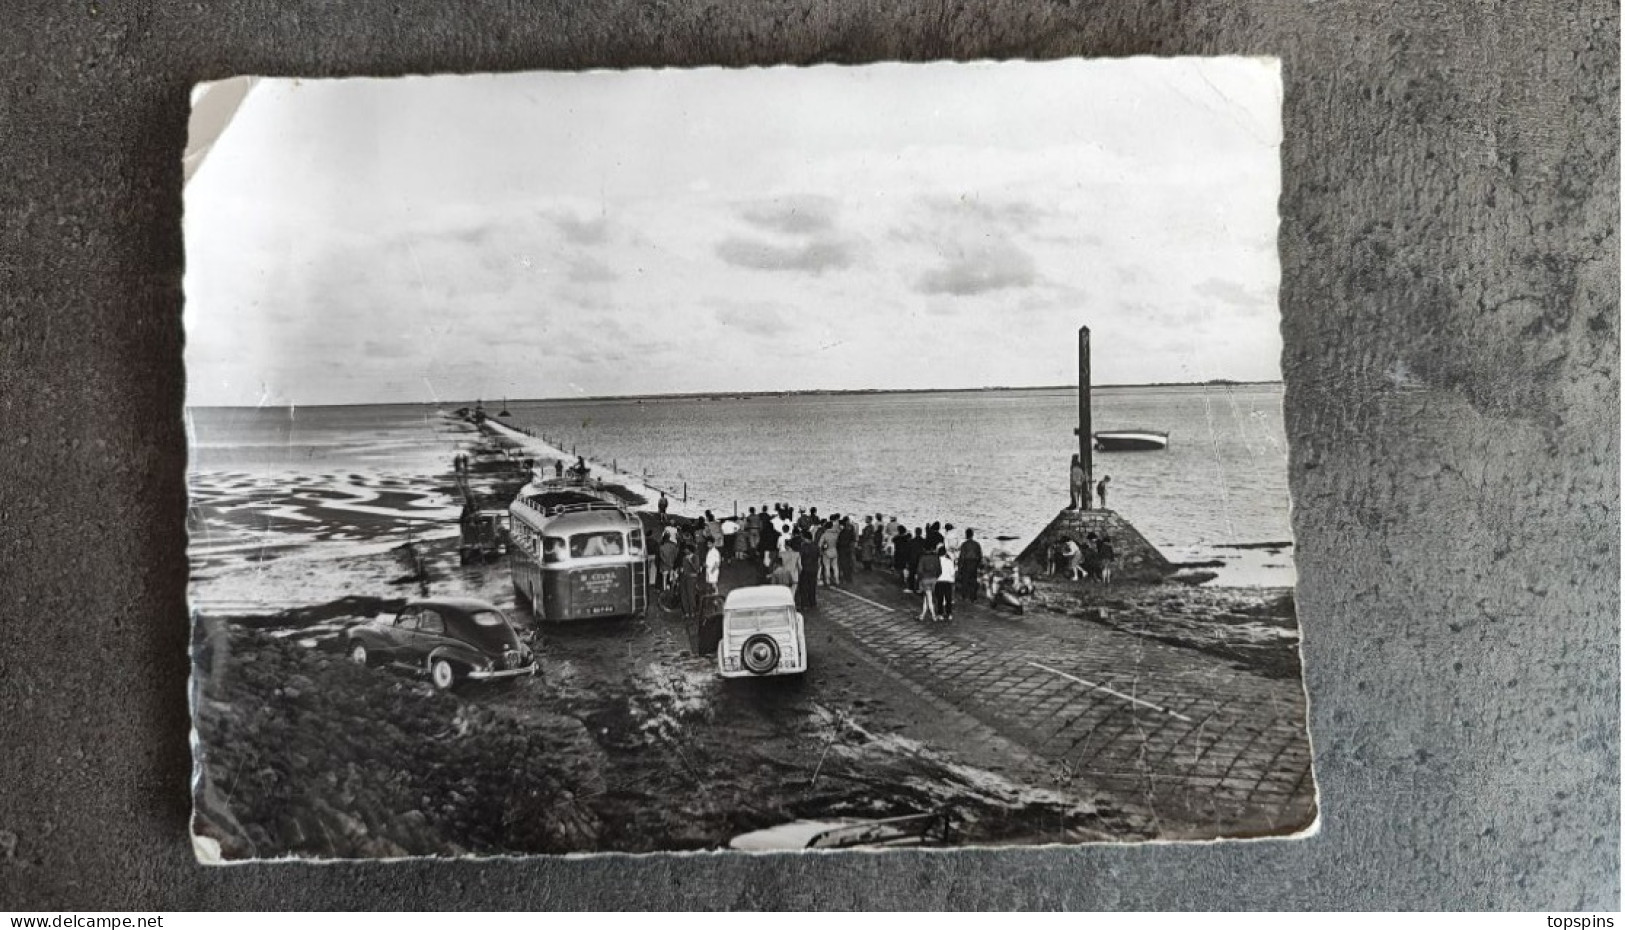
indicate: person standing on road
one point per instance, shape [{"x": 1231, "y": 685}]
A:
[
  {"x": 933, "y": 536},
  {"x": 902, "y": 558},
  {"x": 769, "y": 541},
  {"x": 828, "y": 550},
  {"x": 781, "y": 575},
  {"x": 713, "y": 530},
  {"x": 668, "y": 562},
  {"x": 753, "y": 531},
  {"x": 929, "y": 572},
  {"x": 664, "y": 505},
  {"x": 688, "y": 584},
  {"x": 730, "y": 536},
  {"x": 791, "y": 560},
  {"x": 1100, "y": 490},
  {"x": 713, "y": 568},
  {"x": 1080, "y": 485},
  {"x": 867, "y": 550},
  {"x": 808, "y": 587},
  {"x": 944, "y": 592},
  {"x": 846, "y": 543},
  {"x": 970, "y": 566}
]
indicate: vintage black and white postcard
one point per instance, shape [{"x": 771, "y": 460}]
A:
[{"x": 771, "y": 459}]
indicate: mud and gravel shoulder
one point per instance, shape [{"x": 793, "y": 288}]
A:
[
  {"x": 623, "y": 742},
  {"x": 1254, "y": 628}
]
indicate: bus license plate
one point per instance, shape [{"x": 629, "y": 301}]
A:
[{"x": 600, "y": 609}]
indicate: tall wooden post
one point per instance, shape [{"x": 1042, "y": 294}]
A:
[{"x": 1086, "y": 432}]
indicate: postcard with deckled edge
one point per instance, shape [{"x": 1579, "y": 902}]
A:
[{"x": 828, "y": 458}]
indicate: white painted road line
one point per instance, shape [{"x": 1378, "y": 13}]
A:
[
  {"x": 1132, "y": 700},
  {"x": 864, "y": 599}
]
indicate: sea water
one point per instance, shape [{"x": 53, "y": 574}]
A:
[{"x": 995, "y": 460}]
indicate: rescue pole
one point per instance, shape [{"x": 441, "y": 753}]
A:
[{"x": 1085, "y": 430}]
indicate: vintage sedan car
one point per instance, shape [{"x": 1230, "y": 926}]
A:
[
  {"x": 762, "y": 634},
  {"x": 449, "y": 638}
]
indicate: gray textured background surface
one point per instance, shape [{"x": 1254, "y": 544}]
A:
[{"x": 1450, "y": 301}]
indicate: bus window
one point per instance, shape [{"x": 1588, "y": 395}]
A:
[
  {"x": 552, "y": 549},
  {"x": 589, "y": 545},
  {"x": 634, "y": 542}
]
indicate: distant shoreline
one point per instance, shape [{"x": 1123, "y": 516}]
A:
[{"x": 748, "y": 395}]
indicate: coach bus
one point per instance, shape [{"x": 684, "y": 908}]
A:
[{"x": 577, "y": 553}]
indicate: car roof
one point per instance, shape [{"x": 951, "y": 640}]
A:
[{"x": 766, "y": 595}]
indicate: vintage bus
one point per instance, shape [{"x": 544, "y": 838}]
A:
[{"x": 577, "y": 553}]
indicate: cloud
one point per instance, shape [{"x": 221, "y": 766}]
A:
[
  {"x": 799, "y": 215},
  {"x": 594, "y": 231},
  {"x": 990, "y": 266},
  {"x": 1017, "y": 215},
  {"x": 1232, "y": 294},
  {"x": 817, "y": 256},
  {"x": 589, "y": 270},
  {"x": 376, "y": 348},
  {"x": 755, "y": 319}
]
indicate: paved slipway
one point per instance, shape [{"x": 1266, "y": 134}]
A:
[{"x": 1205, "y": 748}]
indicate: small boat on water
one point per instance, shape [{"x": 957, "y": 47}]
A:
[{"x": 1131, "y": 440}]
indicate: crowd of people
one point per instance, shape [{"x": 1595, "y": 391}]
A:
[{"x": 802, "y": 550}]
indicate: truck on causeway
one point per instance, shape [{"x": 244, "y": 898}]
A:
[{"x": 576, "y": 552}]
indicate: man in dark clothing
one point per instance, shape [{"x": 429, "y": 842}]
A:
[
  {"x": 903, "y": 556},
  {"x": 768, "y": 541},
  {"x": 807, "y": 587},
  {"x": 969, "y": 566},
  {"x": 1100, "y": 490},
  {"x": 933, "y": 537},
  {"x": 846, "y": 548},
  {"x": 688, "y": 584}
]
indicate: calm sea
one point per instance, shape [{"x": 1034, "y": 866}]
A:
[{"x": 993, "y": 460}]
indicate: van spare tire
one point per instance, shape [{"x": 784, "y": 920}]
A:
[{"x": 760, "y": 654}]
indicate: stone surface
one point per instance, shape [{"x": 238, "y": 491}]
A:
[
  {"x": 1450, "y": 315},
  {"x": 1134, "y": 556},
  {"x": 1203, "y": 748}
]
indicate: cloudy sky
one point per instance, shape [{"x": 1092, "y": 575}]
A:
[{"x": 889, "y": 226}]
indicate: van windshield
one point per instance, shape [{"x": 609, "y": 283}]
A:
[{"x": 758, "y": 618}]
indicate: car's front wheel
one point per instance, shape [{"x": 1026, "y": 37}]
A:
[
  {"x": 358, "y": 654},
  {"x": 442, "y": 674}
]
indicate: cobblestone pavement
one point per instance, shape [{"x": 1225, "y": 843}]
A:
[{"x": 1204, "y": 747}]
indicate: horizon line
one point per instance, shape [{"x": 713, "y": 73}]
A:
[{"x": 726, "y": 394}]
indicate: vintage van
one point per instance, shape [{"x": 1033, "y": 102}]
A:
[
  {"x": 577, "y": 553},
  {"x": 762, "y": 634}
]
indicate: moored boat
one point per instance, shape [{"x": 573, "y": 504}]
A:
[{"x": 1131, "y": 440}]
